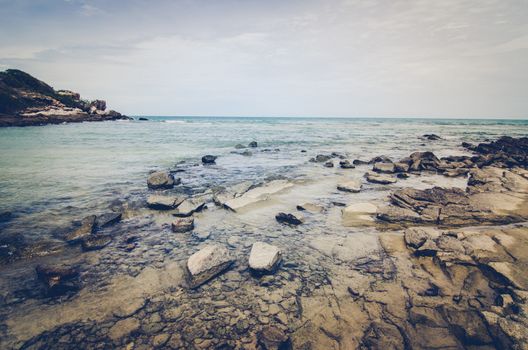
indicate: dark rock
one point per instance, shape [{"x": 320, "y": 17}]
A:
[
  {"x": 159, "y": 202},
  {"x": 359, "y": 162},
  {"x": 183, "y": 225},
  {"x": 253, "y": 144},
  {"x": 419, "y": 161},
  {"x": 431, "y": 137},
  {"x": 329, "y": 164},
  {"x": 107, "y": 219},
  {"x": 380, "y": 159},
  {"x": 58, "y": 279},
  {"x": 95, "y": 242},
  {"x": 161, "y": 180},
  {"x": 321, "y": 158},
  {"x": 209, "y": 159},
  {"x": 288, "y": 219},
  {"x": 143, "y": 119},
  {"x": 506, "y": 151},
  {"x": 345, "y": 164}
]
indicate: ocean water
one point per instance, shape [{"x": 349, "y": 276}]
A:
[{"x": 55, "y": 174}]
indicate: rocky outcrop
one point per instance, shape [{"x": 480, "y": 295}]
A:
[
  {"x": 207, "y": 263},
  {"x": 27, "y": 101},
  {"x": 264, "y": 257},
  {"x": 505, "y": 152}
]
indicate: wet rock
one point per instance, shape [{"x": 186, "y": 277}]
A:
[
  {"x": 380, "y": 159},
  {"x": 329, "y": 164},
  {"x": 431, "y": 137},
  {"x": 345, "y": 164},
  {"x": 95, "y": 242},
  {"x": 353, "y": 186},
  {"x": 183, "y": 225},
  {"x": 384, "y": 167},
  {"x": 107, "y": 219},
  {"x": 253, "y": 144},
  {"x": 123, "y": 328},
  {"x": 209, "y": 159},
  {"x": 359, "y": 162},
  {"x": 190, "y": 206},
  {"x": 131, "y": 307},
  {"x": 86, "y": 229},
  {"x": 273, "y": 338},
  {"x": 58, "y": 279},
  {"x": 264, "y": 257},
  {"x": 142, "y": 119},
  {"x": 257, "y": 194},
  {"x": 321, "y": 158},
  {"x": 239, "y": 146},
  {"x": 161, "y": 202},
  {"x": 380, "y": 178},
  {"x": 506, "y": 151},
  {"x": 401, "y": 167},
  {"x": 161, "y": 180},
  {"x": 310, "y": 207},
  {"x": 288, "y": 219},
  {"x": 419, "y": 161},
  {"x": 207, "y": 263}
]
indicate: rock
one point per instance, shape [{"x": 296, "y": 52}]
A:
[
  {"x": 505, "y": 152},
  {"x": 288, "y": 219},
  {"x": 183, "y": 225},
  {"x": 329, "y": 164},
  {"x": 419, "y": 161},
  {"x": 161, "y": 180},
  {"x": 415, "y": 237},
  {"x": 220, "y": 197},
  {"x": 98, "y": 105},
  {"x": 123, "y": 328},
  {"x": 143, "y": 119},
  {"x": 58, "y": 279},
  {"x": 509, "y": 274},
  {"x": 207, "y": 263},
  {"x": 190, "y": 206},
  {"x": 358, "y": 213},
  {"x": 402, "y": 176},
  {"x": 239, "y": 146},
  {"x": 160, "y": 202},
  {"x": 107, "y": 219},
  {"x": 95, "y": 242},
  {"x": 257, "y": 194},
  {"x": 131, "y": 307},
  {"x": 310, "y": 207},
  {"x": 345, "y": 164},
  {"x": 401, "y": 167},
  {"x": 253, "y": 144},
  {"x": 321, "y": 158},
  {"x": 384, "y": 167},
  {"x": 86, "y": 229},
  {"x": 380, "y": 159},
  {"x": 431, "y": 137},
  {"x": 273, "y": 338},
  {"x": 264, "y": 257},
  {"x": 359, "y": 162},
  {"x": 209, "y": 159},
  {"x": 379, "y": 178},
  {"x": 353, "y": 186}
]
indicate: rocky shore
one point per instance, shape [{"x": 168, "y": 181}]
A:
[
  {"x": 27, "y": 101},
  {"x": 294, "y": 263}
]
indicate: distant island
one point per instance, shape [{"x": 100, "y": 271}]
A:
[{"x": 27, "y": 101}]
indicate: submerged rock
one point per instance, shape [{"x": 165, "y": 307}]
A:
[
  {"x": 264, "y": 257},
  {"x": 95, "y": 242},
  {"x": 58, "y": 279},
  {"x": 207, "y": 263},
  {"x": 161, "y": 180},
  {"x": 288, "y": 219},
  {"x": 345, "y": 164},
  {"x": 253, "y": 144},
  {"x": 209, "y": 159},
  {"x": 107, "y": 219},
  {"x": 239, "y": 146},
  {"x": 353, "y": 186},
  {"x": 329, "y": 164},
  {"x": 160, "y": 202},
  {"x": 86, "y": 229},
  {"x": 183, "y": 225}
]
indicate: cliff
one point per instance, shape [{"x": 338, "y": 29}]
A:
[{"x": 26, "y": 101}]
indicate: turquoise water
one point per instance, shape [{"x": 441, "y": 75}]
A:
[{"x": 54, "y": 174}]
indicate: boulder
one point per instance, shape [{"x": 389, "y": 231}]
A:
[
  {"x": 359, "y": 162},
  {"x": 380, "y": 178},
  {"x": 419, "y": 161},
  {"x": 253, "y": 144},
  {"x": 161, "y": 202},
  {"x": 345, "y": 164},
  {"x": 161, "y": 180},
  {"x": 384, "y": 167},
  {"x": 58, "y": 279},
  {"x": 95, "y": 242},
  {"x": 353, "y": 186},
  {"x": 288, "y": 219},
  {"x": 321, "y": 158},
  {"x": 329, "y": 164},
  {"x": 143, "y": 119},
  {"x": 209, "y": 159},
  {"x": 380, "y": 159},
  {"x": 86, "y": 229},
  {"x": 415, "y": 237},
  {"x": 264, "y": 257},
  {"x": 207, "y": 263},
  {"x": 183, "y": 225}
]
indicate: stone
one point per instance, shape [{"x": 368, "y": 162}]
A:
[
  {"x": 353, "y": 186},
  {"x": 288, "y": 219},
  {"x": 131, "y": 307},
  {"x": 431, "y": 137},
  {"x": 162, "y": 202},
  {"x": 207, "y": 263},
  {"x": 359, "y": 162},
  {"x": 401, "y": 167},
  {"x": 253, "y": 144},
  {"x": 273, "y": 338},
  {"x": 183, "y": 225},
  {"x": 123, "y": 328},
  {"x": 189, "y": 207},
  {"x": 86, "y": 229},
  {"x": 257, "y": 194},
  {"x": 264, "y": 257},
  {"x": 95, "y": 242},
  {"x": 380, "y": 179},
  {"x": 107, "y": 219},
  {"x": 310, "y": 207},
  {"x": 209, "y": 159},
  {"x": 345, "y": 164},
  {"x": 321, "y": 158},
  {"x": 239, "y": 146},
  {"x": 57, "y": 279},
  {"x": 142, "y": 119},
  {"x": 380, "y": 159},
  {"x": 161, "y": 180},
  {"x": 384, "y": 167},
  {"x": 419, "y": 161},
  {"x": 415, "y": 237},
  {"x": 329, "y": 164}
]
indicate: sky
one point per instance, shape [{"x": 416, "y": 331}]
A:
[{"x": 338, "y": 58}]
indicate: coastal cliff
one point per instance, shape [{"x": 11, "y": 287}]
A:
[{"x": 27, "y": 101}]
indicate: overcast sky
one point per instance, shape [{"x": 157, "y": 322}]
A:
[{"x": 449, "y": 58}]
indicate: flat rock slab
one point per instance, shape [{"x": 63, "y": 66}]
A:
[
  {"x": 264, "y": 257},
  {"x": 107, "y": 219},
  {"x": 359, "y": 213},
  {"x": 161, "y": 179},
  {"x": 384, "y": 167},
  {"x": 257, "y": 194},
  {"x": 207, "y": 263},
  {"x": 380, "y": 178},
  {"x": 189, "y": 207},
  {"x": 353, "y": 186},
  {"x": 95, "y": 242},
  {"x": 161, "y": 202}
]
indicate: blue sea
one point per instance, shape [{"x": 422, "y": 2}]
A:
[{"x": 55, "y": 174}]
